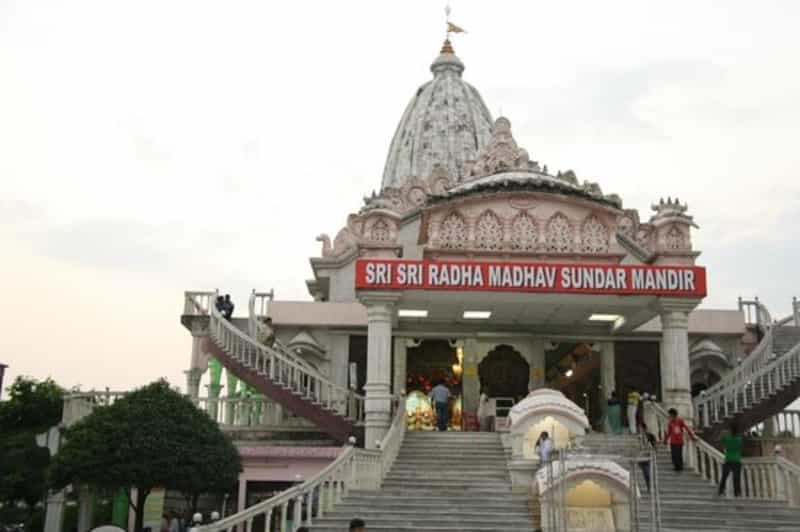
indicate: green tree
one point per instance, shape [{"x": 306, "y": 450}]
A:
[
  {"x": 151, "y": 438},
  {"x": 32, "y": 408}
]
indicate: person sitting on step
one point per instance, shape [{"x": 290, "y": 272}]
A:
[{"x": 358, "y": 525}]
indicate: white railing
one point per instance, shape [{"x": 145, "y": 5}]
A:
[
  {"x": 782, "y": 424},
  {"x": 764, "y": 478},
  {"x": 242, "y": 411},
  {"x": 755, "y": 313},
  {"x": 278, "y": 366},
  {"x": 257, "y": 308},
  {"x": 198, "y": 303},
  {"x": 744, "y": 389},
  {"x": 78, "y": 405},
  {"x": 301, "y": 505}
]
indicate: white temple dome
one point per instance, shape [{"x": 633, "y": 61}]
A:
[
  {"x": 446, "y": 125},
  {"x": 547, "y": 401}
]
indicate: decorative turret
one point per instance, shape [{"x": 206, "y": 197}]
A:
[{"x": 672, "y": 228}]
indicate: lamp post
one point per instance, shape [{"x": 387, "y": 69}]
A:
[{"x": 2, "y": 371}]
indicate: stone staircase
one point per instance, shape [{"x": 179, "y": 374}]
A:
[
  {"x": 440, "y": 482},
  {"x": 689, "y": 503},
  {"x": 754, "y": 392}
]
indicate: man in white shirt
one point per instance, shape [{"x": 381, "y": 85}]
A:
[
  {"x": 440, "y": 397},
  {"x": 544, "y": 447}
]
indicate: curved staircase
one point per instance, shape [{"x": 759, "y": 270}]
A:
[
  {"x": 279, "y": 374},
  {"x": 764, "y": 384}
]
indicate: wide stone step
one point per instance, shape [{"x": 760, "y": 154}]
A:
[
  {"x": 414, "y": 496},
  {"x": 354, "y": 507},
  {"x": 429, "y": 522}
]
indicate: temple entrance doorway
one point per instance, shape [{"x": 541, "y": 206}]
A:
[
  {"x": 429, "y": 362},
  {"x": 504, "y": 373},
  {"x": 574, "y": 370}
]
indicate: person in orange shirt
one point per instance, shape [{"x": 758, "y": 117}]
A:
[{"x": 674, "y": 437}]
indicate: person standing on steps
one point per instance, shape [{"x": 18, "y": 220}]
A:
[
  {"x": 440, "y": 397},
  {"x": 614, "y": 414},
  {"x": 266, "y": 334},
  {"x": 544, "y": 448},
  {"x": 733, "y": 443},
  {"x": 358, "y": 525},
  {"x": 227, "y": 307},
  {"x": 674, "y": 437},
  {"x": 633, "y": 406},
  {"x": 485, "y": 414}
]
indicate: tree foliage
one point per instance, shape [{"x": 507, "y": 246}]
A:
[
  {"x": 32, "y": 408},
  {"x": 152, "y": 437}
]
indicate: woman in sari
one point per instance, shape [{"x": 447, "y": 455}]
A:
[{"x": 614, "y": 414}]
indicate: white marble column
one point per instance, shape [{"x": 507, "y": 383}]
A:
[
  {"x": 377, "y": 410},
  {"x": 241, "y": 501},
  {"x": 470, "y": 381},
  {"x": 674, "y": 356},
  {"x": 54, "y": 515},
  {"x": 85, "y": 509},
  {"x": 537, "y": 361},
  {"x": 607, "y": 373},
  {"x": 400, "y": 365},
  {"x": 198, "y": 362}
]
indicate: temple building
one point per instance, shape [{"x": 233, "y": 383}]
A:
[{"x": 477, "y": 266}]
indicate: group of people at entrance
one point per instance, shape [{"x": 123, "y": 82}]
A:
[
  {"x": 635, "y": 412},
  {"x": 674, "y": 437}
]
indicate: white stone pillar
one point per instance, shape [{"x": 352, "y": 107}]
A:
[
  {"x": 241, "y": 502},
  {"x": 470, "y": 381},
  {"x": 85, "y": 509},
  {"x": 54, "y": 515},
  {"x": 377, "y": 410},
  {"x": 193, "y": 377},
  {"x": 676, "y": 383},
  {"x": 400, "y": 365},
  {"x": 607, "y": 373},
  {"x": 537, "y": 361}
]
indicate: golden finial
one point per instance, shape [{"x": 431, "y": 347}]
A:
[{"x": 447, "y": 48}]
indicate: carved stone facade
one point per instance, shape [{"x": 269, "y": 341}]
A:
[{"x": 521, "y": 224}]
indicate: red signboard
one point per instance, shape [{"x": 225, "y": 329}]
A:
[{"x": 389, "y": 274}]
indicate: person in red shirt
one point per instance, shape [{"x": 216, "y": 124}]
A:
[{"x": 674, "y": 437}]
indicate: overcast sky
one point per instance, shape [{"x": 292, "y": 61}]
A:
[{"x": 151, "y": 147}]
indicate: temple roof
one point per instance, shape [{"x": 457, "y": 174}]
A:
[
  {"x": 445, "y": 125},
  {"x": 504, "y": 166}
]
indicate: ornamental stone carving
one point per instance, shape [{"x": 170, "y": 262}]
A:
[
  {"x": 380, "y": 231},
  {"x": 524, "y": 233},
  {"x": 559, "y": 236},
  {"x": 502, "y": 154},
  {"x": 453, "y": 232},
  {"x": 594, "y": 236},
  {"x": 674, "y": 239},
  {"x": 489, "y": 232}
]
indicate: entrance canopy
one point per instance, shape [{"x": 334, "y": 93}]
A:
[{"x": 545, "y": 297}]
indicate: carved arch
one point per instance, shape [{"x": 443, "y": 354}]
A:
[
  {"x": 524, "y": 232},
  {"x": 594, "y": 235},
  {"x": 489, "y": 231},
  {"x": 453, "y": 231},
  {"x": 559, "y": 235}
]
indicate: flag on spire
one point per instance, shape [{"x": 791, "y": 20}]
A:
[{"x": 452, "y": 28}]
